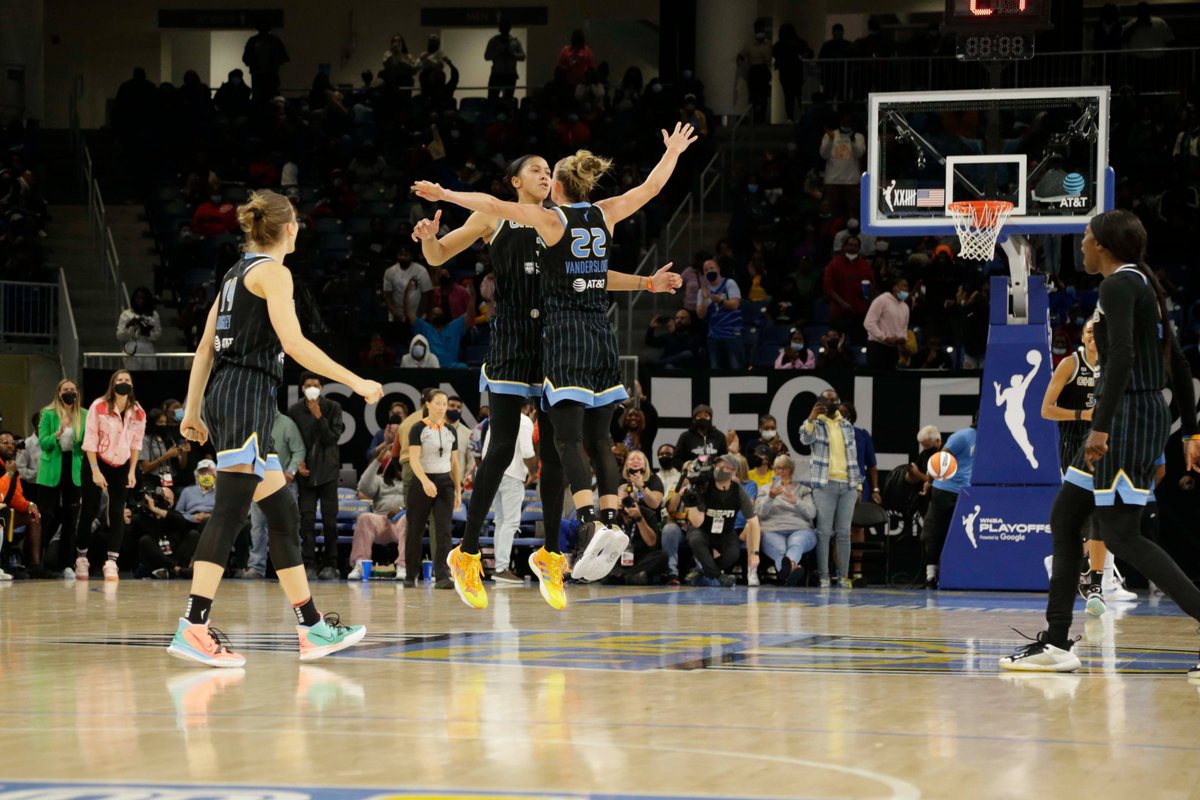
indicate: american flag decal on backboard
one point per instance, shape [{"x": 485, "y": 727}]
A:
[{"x": 931, "y": 198}]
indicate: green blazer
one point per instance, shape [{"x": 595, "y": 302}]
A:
[{"x": 50, "y": 467}]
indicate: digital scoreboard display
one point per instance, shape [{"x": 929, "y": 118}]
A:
[
  {"x": 1006, "y": 14},
  {"x": 996, "y": 30}
]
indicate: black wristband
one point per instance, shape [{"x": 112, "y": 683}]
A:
[{"x": 1078, "y": 414}]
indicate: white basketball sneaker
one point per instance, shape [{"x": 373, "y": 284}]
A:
[
  {"x": 1041, "y": 656},
  {"x": 1114, "y": 587}
]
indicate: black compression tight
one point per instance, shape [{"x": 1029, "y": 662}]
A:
[
  {"x": 504, "y": 424},
  {"x": 580, "y": 433},
  {"x": 1120, "y": 527}
]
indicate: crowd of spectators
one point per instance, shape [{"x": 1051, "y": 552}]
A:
[
  {"x": 346, "y": 156},
  {"x": 700, "y": 512}
]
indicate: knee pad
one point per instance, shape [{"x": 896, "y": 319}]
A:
[
  {"x": 283, "y": 529},
  {"x": 235, "y": 491}
]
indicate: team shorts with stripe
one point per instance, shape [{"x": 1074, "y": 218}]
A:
[
  {"x": 582, "y": 362},
  {"x": 514, "y": 361},
  {"x": 1137, "y": 439},
  {"x": 239, "y": 410}
]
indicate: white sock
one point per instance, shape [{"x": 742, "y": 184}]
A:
[
  {"x": 930, "y": 572},
  {"x": 1109, "y": 563}
]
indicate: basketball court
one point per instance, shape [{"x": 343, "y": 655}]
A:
[{"x": 666, "y": 693}]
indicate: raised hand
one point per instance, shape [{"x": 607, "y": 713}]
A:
[
  {"x": 678, "y": 140},
  {"x": 427, "y": 229},
  {"x": 665, "y": 280},
  {"x": 427, "y": 190}
]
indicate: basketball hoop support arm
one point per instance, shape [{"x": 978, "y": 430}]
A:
[{"x": 1016, "y": 249}]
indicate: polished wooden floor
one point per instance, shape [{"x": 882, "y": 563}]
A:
[{"x": 738, "y": 693}]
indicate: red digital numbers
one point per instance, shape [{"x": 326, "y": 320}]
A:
[{"x": 985, "y": 8}]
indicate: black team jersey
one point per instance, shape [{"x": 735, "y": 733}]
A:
[
  {"x": 575, "y": 270},
  {"x": 245, "y": 337}
]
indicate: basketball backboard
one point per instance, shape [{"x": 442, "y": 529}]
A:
[{"x": 1043, "y": 150}]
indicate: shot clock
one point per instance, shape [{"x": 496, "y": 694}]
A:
[{"x": 996, "y": 30}]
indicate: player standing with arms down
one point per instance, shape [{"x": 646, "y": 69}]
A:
[
  {"x": 1112, "y": 475},
  {"x": 250, "y": 327},
  {"x": 513, "y": 370},
  {"x": 580, "y": 355}
]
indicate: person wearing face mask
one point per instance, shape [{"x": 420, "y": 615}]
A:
[
  {"x": 768, "y": 436},
  {"x": 112, "y": 440},
  {"x": 720, "y": 304},
  {"x": 668, "y": 471},
  {"x": 849, "y": 283},
  {"x": 214, "y": 217},
  {"x": 701, "y": 439},
  {"x": 843, "y": 149},
  {"x": 835, "y": 480},
  {"x": 382, "y": 441},
  {"x": 443, "y": 333},
  {"x": 161, "y": 456},
  {"x": 796, "y": 354},
  {"x": 711, "y": 511},
  {"x": 196, "y": 502},
  {"x": 887, "y": 326},
  {"x": 419, "y": 356},
  {"x": 60, "y": 435},
  {"x": 321, "y": 425}
]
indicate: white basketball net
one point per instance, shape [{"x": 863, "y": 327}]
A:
[{"x": 978, "y": 224}]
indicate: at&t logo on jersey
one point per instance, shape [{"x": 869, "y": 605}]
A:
[
  {"x": 581, "y": 285},
  {"x": 220, "y": 344}
]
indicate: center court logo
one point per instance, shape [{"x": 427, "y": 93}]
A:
[{"x": 997, "y": 529}]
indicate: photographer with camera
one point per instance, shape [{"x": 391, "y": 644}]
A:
[
  {"x": 166, "y": 538},
  {"x": 712, "y": 500},
  {"x": 138, "y": 328},
  {"x": 643, "y": 561}
]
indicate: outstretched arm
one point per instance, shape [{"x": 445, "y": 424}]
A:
[
  {"x": 662, "y": 281},
  {"x": 625, "y": 205},
  {"x": 547, "y": 223},
  {"x": 439, "y": 251},
  {"x": 274, "y": 282},
  {"x": 999, "y": 394}
]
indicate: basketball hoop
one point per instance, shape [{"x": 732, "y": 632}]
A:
[{"x": 978, "y": 224}]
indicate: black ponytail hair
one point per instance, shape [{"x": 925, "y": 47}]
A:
[
  {"x": 514, "y": 170},
  {"x": 1121, "y": 233}
]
